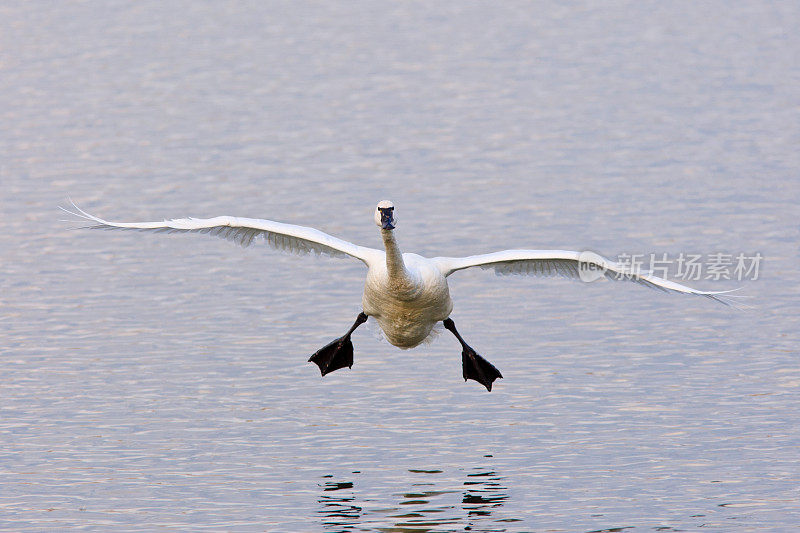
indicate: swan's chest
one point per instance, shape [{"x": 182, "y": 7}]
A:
[{"x": 407, "y": 310}]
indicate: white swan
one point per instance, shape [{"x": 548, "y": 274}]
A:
[{"x": 406, "y": 293}]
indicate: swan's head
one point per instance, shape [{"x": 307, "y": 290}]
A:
[{"x": 384, "y": 215}]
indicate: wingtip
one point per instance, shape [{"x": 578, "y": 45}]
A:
[
  {"x": 729, "y": 300},
  {"x": 80, "y": 213}
]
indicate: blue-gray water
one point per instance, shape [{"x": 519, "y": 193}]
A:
[{"x": 155, "y": 382}]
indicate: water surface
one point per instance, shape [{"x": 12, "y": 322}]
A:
[{"x": 155, "y": 382}]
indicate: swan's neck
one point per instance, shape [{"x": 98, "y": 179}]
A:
[{"x": 394, "y": 257}]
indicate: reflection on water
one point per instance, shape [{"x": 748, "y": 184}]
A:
[
  {"x": 431, "y": 503},
  {"x": 483, "y": 494},
  {"x": 338, "y": 509}
]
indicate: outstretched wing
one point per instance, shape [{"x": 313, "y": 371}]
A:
[
  {"x": 245, "y": 231},
  {"x": 587, "y": 266}
]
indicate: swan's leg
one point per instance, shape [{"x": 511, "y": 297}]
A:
[
  {"x": 339, "y": 353},
  {"x": 474, "y": 366}
]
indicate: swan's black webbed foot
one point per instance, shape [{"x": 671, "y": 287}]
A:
[
  {"x": 339, "y": 353},
  {"x": 336, "y": 355},
  {"x": 476, "y": 367},
  {"x": 473, "y": 365}
]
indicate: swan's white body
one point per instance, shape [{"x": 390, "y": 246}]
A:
[
  {"x": 408, "y": 298},
  {"x": 406, "y": 293}
]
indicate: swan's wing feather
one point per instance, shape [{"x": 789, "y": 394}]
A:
[
  {"x": 569, "y": 264},
  {"x": 244, "y": 231}
]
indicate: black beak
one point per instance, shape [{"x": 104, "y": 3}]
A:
[{"x": 387, "y": 218}]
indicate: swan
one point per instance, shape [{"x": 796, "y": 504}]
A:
[{"x": 405, "y": 293}]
